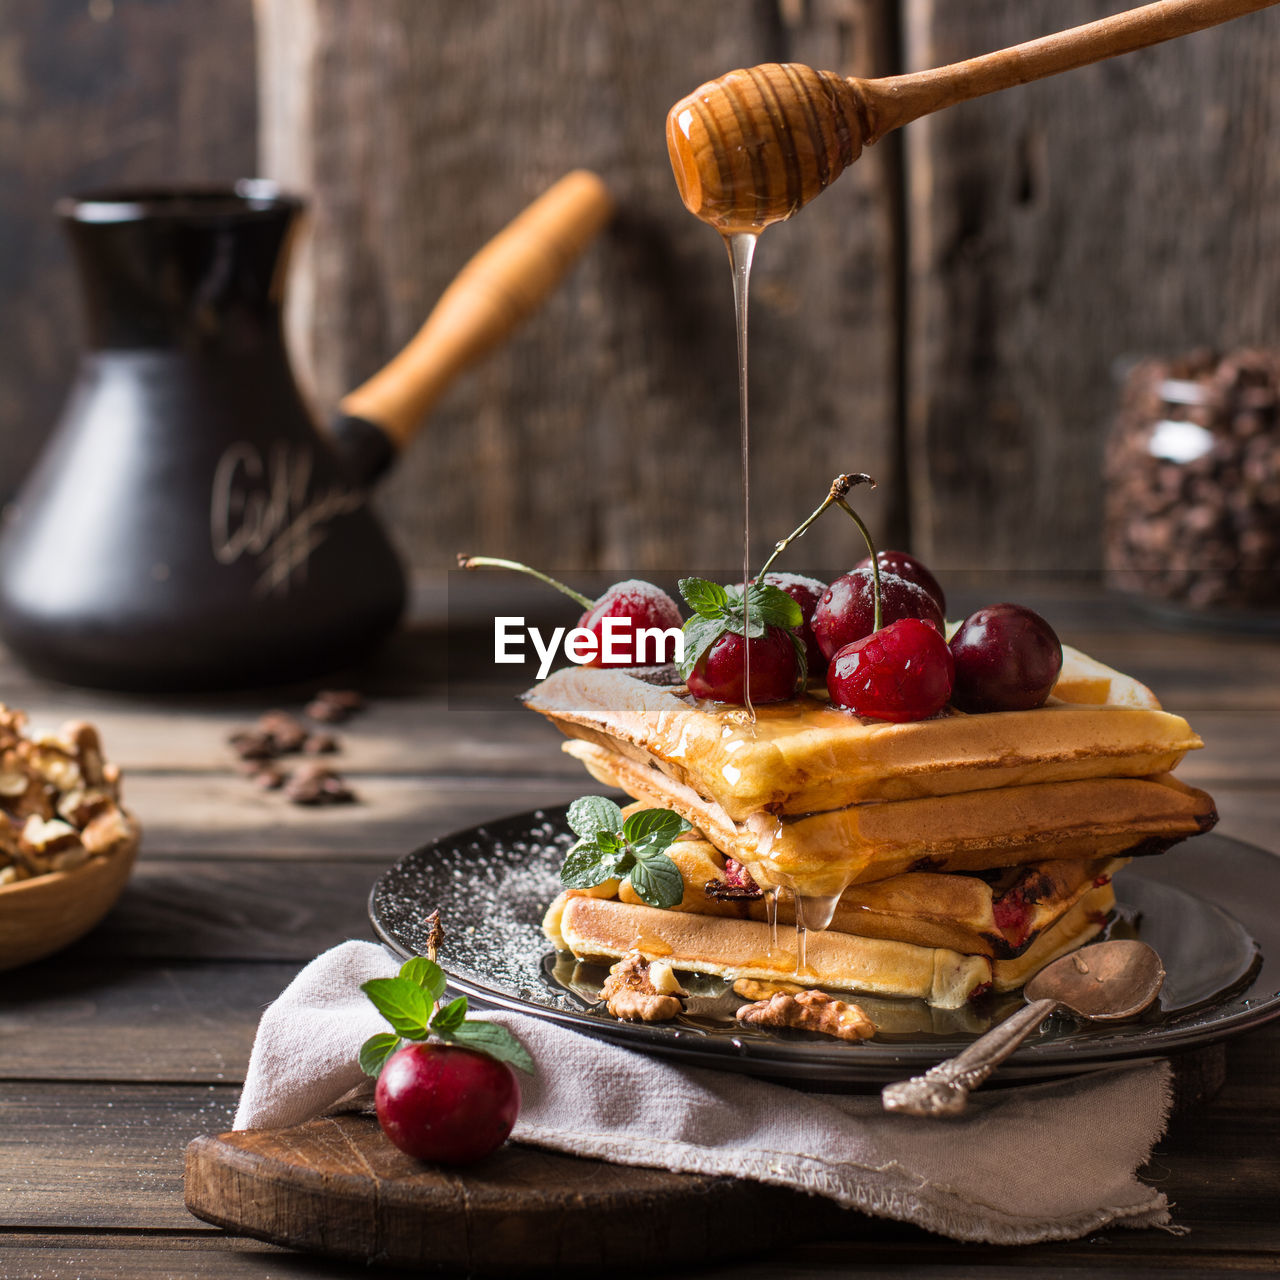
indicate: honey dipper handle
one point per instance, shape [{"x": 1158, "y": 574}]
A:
[
  {"x": 895, "y": 100},
  {"x": 488, "y": 298}
]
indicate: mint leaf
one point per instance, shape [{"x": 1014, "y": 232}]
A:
[
  {"x": 653, "y": 826},
  {"x": 403, "y": 1003},
  {"x": 699, "y": 635},
  {"x": 587, "y": 865},
  {"x": 496, "y": 1041},
  {"x": 773, "y": 606},
  {"x": 720, "y": 609},
  {"x": 707, "y": 598},
  {"x": 765, "y": 606},
  {"x": 376, "y": 1050},
  {"x": 634, "y": 847},
  {"x": 657, "y": 879},
  {"x": 450, "y": 1017},
  {"x": 426, "y": 974},
  {"x": 737, "y": 621},
  {"x": 592, "y": 814}
]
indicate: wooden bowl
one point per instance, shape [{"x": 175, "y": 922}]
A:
[{"x": 46, "y": 913}]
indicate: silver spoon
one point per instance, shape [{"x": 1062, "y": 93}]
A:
[{"x": 1107, "y": 982}]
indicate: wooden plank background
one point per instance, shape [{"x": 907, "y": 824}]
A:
[
  {"x": 1127, "y": 209},
  {"x": 98, "y": 93},
  {"x": 946, "y": 317},
  {"x": 606, "y": 431}
]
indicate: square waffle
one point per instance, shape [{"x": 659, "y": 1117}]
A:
[{"x": 805, "y": 756}]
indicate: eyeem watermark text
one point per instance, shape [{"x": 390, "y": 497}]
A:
[{"x": 618, "y": 643}]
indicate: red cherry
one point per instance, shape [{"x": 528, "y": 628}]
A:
[
  {"x": 901, "y": 672},
  {"x": 1013, "y": 915},
  {"x": 446, "y": 1104},
  {"x": 774, "y": 669},
  {"x": 846, "y": 611},
  {"x": 646, "y": 606},
  {"x": 905, "y": 565},
  {"x": 806, "y": 592},
  {"x": 1007, "y": 659}
]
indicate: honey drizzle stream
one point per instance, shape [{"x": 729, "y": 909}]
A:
[
  {"x": 742, "y": 247},
  {"x": 771, "y": 914}
]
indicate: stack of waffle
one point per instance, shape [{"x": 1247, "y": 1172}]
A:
[{"x": 934, "y": 859}]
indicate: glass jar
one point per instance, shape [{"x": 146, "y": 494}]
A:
[{"x": 1192, "y": 474}]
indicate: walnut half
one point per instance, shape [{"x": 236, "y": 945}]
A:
[
  {"x": 761, "y": 989},
  {"x": 637, "y": 991},
  {"x": 809, "y": 1011}
]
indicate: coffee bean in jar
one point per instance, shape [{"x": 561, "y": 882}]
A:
[{"x": 1193, "y": 485}]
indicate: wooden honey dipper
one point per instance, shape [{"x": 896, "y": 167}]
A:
[{"x": 754, "y": 146}]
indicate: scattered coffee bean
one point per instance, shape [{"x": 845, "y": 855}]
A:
[
  {"x": 333, "y": 706},
  {"x": 253, "y": 744},
  {"x": 288, "y": 732},
  {"x": 313, "y": 784},
  {"x": 280, "y": 733},
  {"x": 269, "y": 778}
]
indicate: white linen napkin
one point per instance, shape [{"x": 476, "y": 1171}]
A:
[{"x": 1037, "y": 1162}]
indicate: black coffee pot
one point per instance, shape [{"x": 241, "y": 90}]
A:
[{"x": 187, "y": 526}]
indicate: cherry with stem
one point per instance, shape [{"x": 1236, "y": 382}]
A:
[
  {"x": 493, "y": 562},
  {"x": 839, "y": 487},
  {"x": 640, "y": 603},
  {"x": 875, "y": 559}
]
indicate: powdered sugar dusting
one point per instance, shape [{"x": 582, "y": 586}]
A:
[
  {"x": 786, "y": 581},
  {"x": 634, "y": 598},
  {"x": 492, "y": 886}
]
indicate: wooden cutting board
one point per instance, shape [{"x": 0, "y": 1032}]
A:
[{"x": 337, "y": 1186}]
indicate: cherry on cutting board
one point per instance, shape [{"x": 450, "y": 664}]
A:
[
  {"x": 446, "y": 1104},
  {"x": 846, "y": 611},
  {"x": 1007, "y": 659},
  {"x": 902, "y": 672},
  {"x": 774, "y": 669},
  {"x": 904, "y": 565}
]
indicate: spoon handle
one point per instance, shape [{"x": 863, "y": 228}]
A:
[{"x": 944, "y": 1090}]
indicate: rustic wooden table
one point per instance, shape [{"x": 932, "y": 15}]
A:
[{"x": 116, "y": 1053}]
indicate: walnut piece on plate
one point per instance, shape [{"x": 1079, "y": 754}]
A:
[
  {"x": 763, "y": 988},
  {"x": 639, "y": 990},
  {"x": 809, "y": 1011}
]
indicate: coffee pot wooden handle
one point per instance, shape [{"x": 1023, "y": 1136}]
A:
[{"x": 489, "y": 297}]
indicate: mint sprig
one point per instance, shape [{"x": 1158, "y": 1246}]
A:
[
  {"x": 410, "y": 1002},
  {"x": 610, "y": 847},
  {"x": 719, "y": 611}
]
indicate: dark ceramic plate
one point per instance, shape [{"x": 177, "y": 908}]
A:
[{"x": 1205, "y": 907}]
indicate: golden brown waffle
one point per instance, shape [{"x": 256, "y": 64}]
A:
[
  {"x": 998, "y": 916},
  {"x": 822, "y": 853},
  {"x": 595, "y": 928},
  {"x": 805, "y": 756}
]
